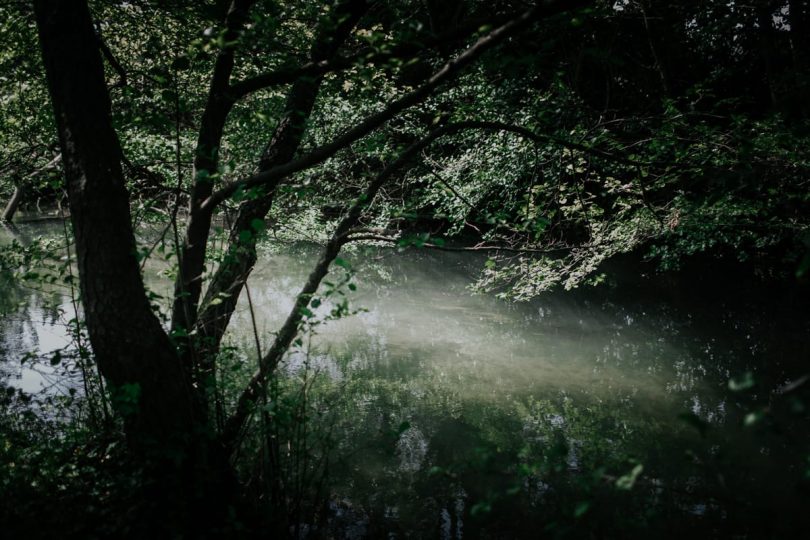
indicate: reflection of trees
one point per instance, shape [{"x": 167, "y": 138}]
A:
[
  {"x": 40, "y": 352},
  {"x": 30, "y": 306},
  {"x": 15, "y": 323},
  {"x": 650, "y": 359},
  {"x": 699, "y": 461},
  {"x": 28, "y": 315}
]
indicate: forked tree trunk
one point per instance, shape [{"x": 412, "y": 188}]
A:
[
  {"x": 228, "y": 281},
  {"x": 192, "y": 485}
]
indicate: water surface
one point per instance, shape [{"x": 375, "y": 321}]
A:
[{"x": 453, "y": 413}]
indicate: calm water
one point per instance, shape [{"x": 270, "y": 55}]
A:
[{"x": 459, "y": 415}]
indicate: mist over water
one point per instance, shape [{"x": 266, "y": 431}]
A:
[{"x": 427, "y": 376}]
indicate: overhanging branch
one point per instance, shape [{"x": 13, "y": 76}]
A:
[
  {"x": 289, "y": 330},
  {"x": 401, "y": 51},
  {"x": 342, "y": 235},
  {"x": 449, "y": 71}
]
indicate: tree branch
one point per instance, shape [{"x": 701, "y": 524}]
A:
[
  {"x": 191, "y": 256},
  {"x": 540, "y": 138},
  {"x": 110, "y": 57},
  {"x": 288, "y": 75},
  {"x": 289, "y": 330},
  {"x": 19, "y": 191},
  {"x": 213, "y": 319},
  {"x": 450, "y": 70},
  {"x": 477, "y": 247}
]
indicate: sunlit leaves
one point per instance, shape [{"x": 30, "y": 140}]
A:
[
  {"x": 743, "y": 382},
  {"x": 627, "y": 481}
]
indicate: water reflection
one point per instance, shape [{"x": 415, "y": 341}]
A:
[{"x": 453, "y": 411}]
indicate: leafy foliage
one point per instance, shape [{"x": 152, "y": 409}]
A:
[{"x": 670, "y": 132}]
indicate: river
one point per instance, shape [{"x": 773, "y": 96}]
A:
[{"x": 652, "y": 403}]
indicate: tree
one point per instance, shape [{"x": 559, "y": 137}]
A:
[
  {"x": 163, "y": 393},
  {"x": 554, "y": 140},
  {"x": 134, "y": 352}
]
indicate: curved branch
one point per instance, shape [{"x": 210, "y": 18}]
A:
[
  {"x": 450, "y": 70},
  {"x": 540, "y": 138},
  {"x": 288, "y": 75},
  {"x": 112, "y": 60},
  {"x": 477, "y": 247},
  {"x": 19, "y": 191},
  {"x": 289, "y": 329}
]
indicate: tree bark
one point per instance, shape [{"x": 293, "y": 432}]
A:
[
  {"x": 14, "y": 202},
  {"x": 188, "y": 286},
  {"x": 229, "y": 279},
  {"x": 133, "y": 352}
]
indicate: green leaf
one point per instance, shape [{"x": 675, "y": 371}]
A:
[
  {"x": 433, "y": 471},
  {"x": 125, "y": 398},
  {"x": 581, "y": 508},
  {"x": 742, "y": 382},
  {"x": 258, "y": 225},
  {"x": 626, "y": 482},
  {"x": 541, "y": 223},
  {"x": 56, "y": 358},
  {"x": 245, "y": 236},
  {"x": 803, "y": 267},
  {"x": 695, "y": 421},
  {"x": 480, "y": 508},
  {"x": 753, "y": 418}
]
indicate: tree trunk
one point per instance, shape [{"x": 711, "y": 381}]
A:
[
  {"x": 132, "y": 350},
  {"x": 19, "y": 191},
  {"x": 188, "y": 285},
  {"x": 192, "y": 486},
  {"x": 14, "y": 202},
  {"x": 229, "y": 279}
]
